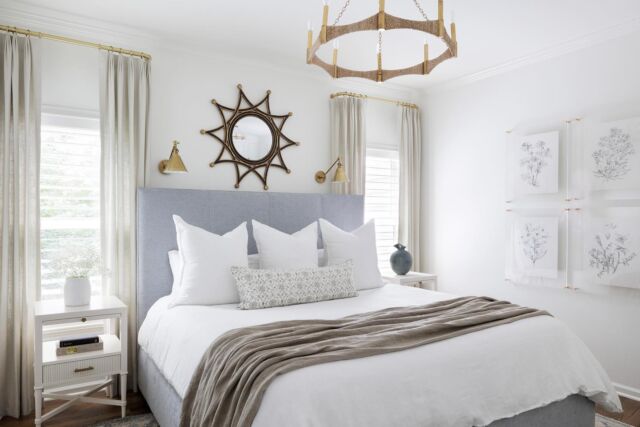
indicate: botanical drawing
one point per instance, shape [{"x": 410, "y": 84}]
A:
[
  {"x": 534, "y": 239},
  {"x": 613, "y": 155},
  {"x": 610, "y": 251},
  {"x": 534, "y": 161}
]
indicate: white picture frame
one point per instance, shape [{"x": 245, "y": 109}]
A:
[
  {"x": 535, "y": 163},
  {"x": 612, "y": 158},
  {"x": 535, "y": 246},
  {"x": 611, "y": 251}
]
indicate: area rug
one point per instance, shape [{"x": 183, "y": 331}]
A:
[
  {"x": 144, "y": 420},
  {"x": 602, "y": 421}
]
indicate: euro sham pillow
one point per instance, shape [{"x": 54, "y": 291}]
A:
[
  {"x": 175, "y": 262},
  {"x": 358, "y": 246},
  {"x": 276, "y": 288},
  {"x": 206, "y": 264},
  {"x": 278, "y": 250}
]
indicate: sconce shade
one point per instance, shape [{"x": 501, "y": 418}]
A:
[
  {"x": 340, "y": 176},
  {"x": 174, "y": 164}
]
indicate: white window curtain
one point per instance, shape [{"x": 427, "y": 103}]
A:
[
  {"x": 348, "y": 141},
  {"x": 124, "y": 106},
  {"x": 19, "y": 219},
  {"x": 410, "y": 180}
]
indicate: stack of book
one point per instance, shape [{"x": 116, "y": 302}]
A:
[{"x": 79, "y": 344}]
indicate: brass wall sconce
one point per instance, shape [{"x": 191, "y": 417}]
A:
[
  {"x": 340, "y": 176},
  {"x": 174, "y": 164}
]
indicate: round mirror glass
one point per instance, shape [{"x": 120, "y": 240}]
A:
[{"x": 252, "y": 138}]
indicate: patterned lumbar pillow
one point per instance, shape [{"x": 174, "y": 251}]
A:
[{"x": 273, "y": 288}]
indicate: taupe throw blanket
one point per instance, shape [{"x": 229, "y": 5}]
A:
[{"x": 228, "y": 385}]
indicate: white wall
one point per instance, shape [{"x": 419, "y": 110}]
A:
[
  {"x": 69, "y": 77},
  {"x": 182, "y": 86},
  {"x": 383, "y": 124},
  {"x": 464, "y": 188}
]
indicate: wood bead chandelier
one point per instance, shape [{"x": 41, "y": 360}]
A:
[{"x": 380, "y": 22}]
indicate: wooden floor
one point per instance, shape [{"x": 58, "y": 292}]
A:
[
  {"x": 631, "y": 414},
  {"x": 84, "y": 414}
]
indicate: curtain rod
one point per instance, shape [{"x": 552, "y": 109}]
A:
[
  {"x": 73, "y": 41},
  {"x": 376, "y": 98}
]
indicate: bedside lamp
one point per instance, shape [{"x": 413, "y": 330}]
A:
[
  {"x": 339, "y": 177},
  {"x": 174, "y": 164}
]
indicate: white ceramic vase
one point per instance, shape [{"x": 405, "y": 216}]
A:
[{"x": 77, "y": 291}]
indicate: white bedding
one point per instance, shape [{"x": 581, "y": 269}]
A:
[{"x": 473, "y": 379}]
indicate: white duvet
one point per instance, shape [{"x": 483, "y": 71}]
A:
[{"x": 469, "y": 380}]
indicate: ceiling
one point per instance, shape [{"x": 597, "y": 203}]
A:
[{"x": 491, "y": 33}]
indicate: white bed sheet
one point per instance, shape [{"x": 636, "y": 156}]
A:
[{"x": 473, "y": 379}]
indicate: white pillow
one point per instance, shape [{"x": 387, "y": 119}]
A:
[
  {"x": 359, "y": 246},
  {"x": 207, "y": 259},
  {"x": 175, "y": 262},
  {"x": 254, "y": 261},
  {"x": 278, "y": 250}
]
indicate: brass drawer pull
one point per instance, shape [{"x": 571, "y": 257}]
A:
[{"x": 88, "y": 368}]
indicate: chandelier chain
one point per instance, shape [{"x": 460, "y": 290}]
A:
[
  {"x": 422, "y": 12},
  {"x": 346, "y": 5},
  {"x": 380, "y": 40}
]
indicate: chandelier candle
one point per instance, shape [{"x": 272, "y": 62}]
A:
[
  {"x": 425, "y": 66},
  {"x": 325, "y": 18},
  {"x": 441, "y": 18},
  {"x": 381, "y": 26},
  {"x": 382, "y": 21},
  {"x": 335, "y": 58},
  {"x": 309, "y": 39}
]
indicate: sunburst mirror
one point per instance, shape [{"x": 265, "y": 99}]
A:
[{"x": 251, "y": 138}]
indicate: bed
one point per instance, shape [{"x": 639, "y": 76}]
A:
[{"x": 533, "y": 372}]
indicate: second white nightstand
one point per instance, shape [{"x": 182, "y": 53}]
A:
[
  {"x": 414, "y": 279},
  {"x": 59, "y": 377}
]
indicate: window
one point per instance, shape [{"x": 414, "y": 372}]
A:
[
  {"x": 381, "y": 200},
  {"x": 69, "y": 200}
]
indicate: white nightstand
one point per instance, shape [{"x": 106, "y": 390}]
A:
[
  {"x": 55, "y": 376},
  {"x": 414, "y": 279}
]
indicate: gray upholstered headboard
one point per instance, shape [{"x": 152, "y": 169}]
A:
[{"x": 219, "y": 212}]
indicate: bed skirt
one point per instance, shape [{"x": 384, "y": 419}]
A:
[{"x": 166, "y": 404}]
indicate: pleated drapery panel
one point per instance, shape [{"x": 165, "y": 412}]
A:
[
  {"x": 349, "y": 141},
  {"x": 124, "y": 112},
  {"x": 19, "y": 219},
  {"x": 410, "y": 182}
]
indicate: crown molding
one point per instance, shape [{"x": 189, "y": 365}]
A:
[
  {"x": 559, "y": 49},
  {"x": 49, "y": 20},
  {"x": 38, "y": 18}
]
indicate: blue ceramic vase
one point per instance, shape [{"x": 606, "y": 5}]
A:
[{"x": 401, "y": 260}]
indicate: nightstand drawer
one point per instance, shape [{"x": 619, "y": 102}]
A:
[
  {"x": 68, "y": 372},
  {"x": 79, "y": 319}
]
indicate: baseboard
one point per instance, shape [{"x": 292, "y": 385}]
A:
[{"x": 626, "y": 391}]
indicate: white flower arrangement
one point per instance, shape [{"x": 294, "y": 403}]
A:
[{"x": 76, "y": 261}]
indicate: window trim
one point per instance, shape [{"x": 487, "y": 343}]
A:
[
  {"x": 384, "y": 152},
  {"x": 74, "y": 118}
]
